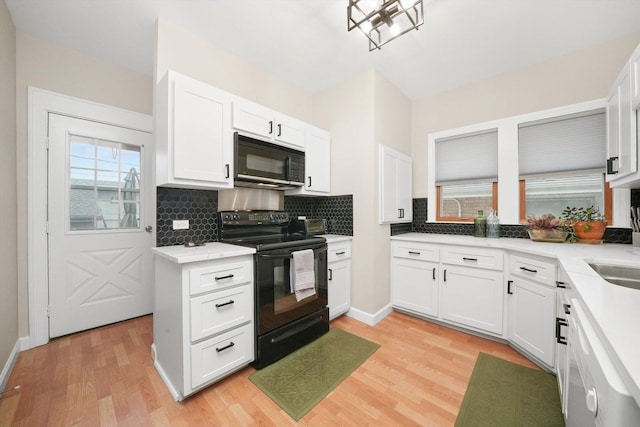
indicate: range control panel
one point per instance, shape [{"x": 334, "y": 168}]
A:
[{"x": 254, "y": 217}]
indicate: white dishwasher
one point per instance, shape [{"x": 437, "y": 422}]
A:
[{"x": 596, "y": 395}]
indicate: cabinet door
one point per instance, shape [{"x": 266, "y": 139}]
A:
[
  {"x": 339, "y": 288},
  {"x": 635, "y": 79},
  {"x": 253, "y": 118},
  {"x": 414, "y": 285},
  {"x": 289, "y": 131},
  {"x": 318, "y": 161},
  {"x": 202, "y": 141},
  {"x": 621, "y": 128},
  {"x": 395, "y": 186},
  {"x": 472, "y": 297},
  {"x": 532, "y": 309}
]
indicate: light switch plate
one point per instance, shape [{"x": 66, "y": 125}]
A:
[{"x": 180, "y": 224}]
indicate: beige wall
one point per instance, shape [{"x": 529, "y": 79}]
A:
[
  {"x": 583, "y": 75},
  {"x": 392, "y": 127},
  {"x": 48, "y": 66},
  {"x": 361, "y": 113},
  {"x": 179, "y": 50},
  {"x": 8, "y": 243}
]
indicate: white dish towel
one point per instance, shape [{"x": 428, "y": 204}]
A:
[{"x": 303, "y": 277}]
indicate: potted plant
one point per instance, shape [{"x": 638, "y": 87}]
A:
[
  {"x": 546, "y": 228},
  {"x": 588, "y": 224}
]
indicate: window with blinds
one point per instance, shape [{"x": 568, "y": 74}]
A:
[
  {"x": 562, "y": 162},
  {"x": 466, "y": 175}
]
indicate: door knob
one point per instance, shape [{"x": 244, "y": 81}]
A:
[{"x": 148, "y": 229}]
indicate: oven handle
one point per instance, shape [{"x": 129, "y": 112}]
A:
[
  {"x": 285, "y": 256},
  {"x": 289, "y": 255}
]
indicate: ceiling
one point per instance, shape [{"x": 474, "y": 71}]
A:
[{"x": 306, "y": 43}]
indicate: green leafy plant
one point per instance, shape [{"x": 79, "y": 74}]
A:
[{"x": 573, "y": 214}]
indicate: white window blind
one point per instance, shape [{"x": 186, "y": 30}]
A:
[
  {"x": 568, "y": 143},
  {"x": 467, "y": 157}
]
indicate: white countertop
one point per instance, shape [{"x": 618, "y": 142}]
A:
[
  {"x": 181, "y": 254},
  {"x": 336, "y": 238},
  {"x": 614, "y": 309}
]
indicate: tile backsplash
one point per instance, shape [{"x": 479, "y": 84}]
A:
[
  {"x": 200, "y": 207},
  {"x": 337, "y": 210},
  {"x": 420, "y": 225}
]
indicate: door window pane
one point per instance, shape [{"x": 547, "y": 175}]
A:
[{"x": 104, "y": 184}]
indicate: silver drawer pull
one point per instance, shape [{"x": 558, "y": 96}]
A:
[
  {"x": 340, "y": 253},
  {"x": 528, "y": 269},
  {"x": 414, "y": 253},
  {"x": 225, "y": 303},
  {"x": 469, "y": 259},
  {"x": 228, "y": 276},
  {"x": 219, "y": 349}
]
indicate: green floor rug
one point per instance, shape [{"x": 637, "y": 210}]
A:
[
  {"x": 501, "y": 393},
  {"x": 302, "y": 379}
]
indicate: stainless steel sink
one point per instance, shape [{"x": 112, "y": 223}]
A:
[{"x": 620, "y": 275}]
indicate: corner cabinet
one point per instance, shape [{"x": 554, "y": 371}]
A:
[
  {"x": 317, "y": 163},
  {"x": 270, "y": 125},
  {"x": 339, "y": 283},
  {"x": 472, "y": 287},
  {"x": 395, "y": 186},
  {"x": 194, "y": 142},
  {"x": 203, "y": 328},
  {"x": 531, "y": 292}
]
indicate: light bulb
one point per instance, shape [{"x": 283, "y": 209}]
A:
[
  {"x": 406, "y": 4},
  {"x": 366, "y": 27},
  {"x": 394, "y": 29}
]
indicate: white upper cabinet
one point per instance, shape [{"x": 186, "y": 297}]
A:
[
  {"x": 622, "y": 141},
  {"x": 194, "y": 142},
  {"x": 317, "y": 163},
  {"x": 270, "y": 125},
  {"x": 395, "y": 174},
  {"x": 635, "y": 79}
]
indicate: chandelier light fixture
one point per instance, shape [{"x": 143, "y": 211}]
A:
[{"x": 384, "y": 20}]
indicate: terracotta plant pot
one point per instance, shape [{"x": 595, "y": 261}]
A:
[{"x": 590, "y": 230}]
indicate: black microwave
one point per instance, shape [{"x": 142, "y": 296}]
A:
[{"x": 261, "y": 164}]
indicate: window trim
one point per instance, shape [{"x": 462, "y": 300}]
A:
[{"x": 508, "y": 175}]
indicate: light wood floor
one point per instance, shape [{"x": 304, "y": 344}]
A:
[{"x": 106, "y": 377}]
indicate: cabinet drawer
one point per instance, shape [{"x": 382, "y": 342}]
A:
[
  {"x": 211, "y": 277},
  {"x": 473, "y": 257},
  {"x": 218, "y": 311},
  {"x": 338, "y": 251},
  {"x": 222, "y": 354},
  {"x": 415, "y": 250},
  {"x": 543, "y": 271}
]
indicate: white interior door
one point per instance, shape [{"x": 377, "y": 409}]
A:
[{"x": 100, "y": 261}]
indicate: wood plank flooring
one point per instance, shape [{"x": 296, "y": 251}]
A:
[{"x": 106, "y": 377}]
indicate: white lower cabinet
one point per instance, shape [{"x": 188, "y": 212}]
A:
[
  {"x": 414, "y": 269},
  {"x": 465, "y": 286},
  {"x": 339, "y": 283},
  {"x": 472, "y": 297},
  {"x": 532, "y": 306},
  {"x": 203, "y": 327}
]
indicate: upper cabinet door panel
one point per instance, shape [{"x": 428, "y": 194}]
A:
[
  {"x": 290, "y": 131},
  {"x": 635, "y": 79},
  {"x": 395, "y": 175},
  {"x": 202, "y": 133},
  {"x": 253, "y": 118}
]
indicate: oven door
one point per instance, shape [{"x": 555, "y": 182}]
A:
[{"x": 276, "y": 304}]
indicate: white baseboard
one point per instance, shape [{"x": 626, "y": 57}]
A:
[
  {"x": 370, "y": 319},
  {"x": 25, "y": 343},
  {"x": 8, "y": 367}
]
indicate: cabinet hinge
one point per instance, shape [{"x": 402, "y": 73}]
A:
[
  {"x": 48, "y": 311},
  {"x": 46, "y": 226}
]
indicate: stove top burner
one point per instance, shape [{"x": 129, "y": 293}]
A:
[{"x": 262, "y": 230}]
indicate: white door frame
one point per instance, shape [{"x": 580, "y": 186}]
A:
[{"x": 40, "y": 104}]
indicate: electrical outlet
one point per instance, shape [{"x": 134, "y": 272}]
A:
[
  {"x": 302, "y": 217},
  {"x": 180, "y": 224}
]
